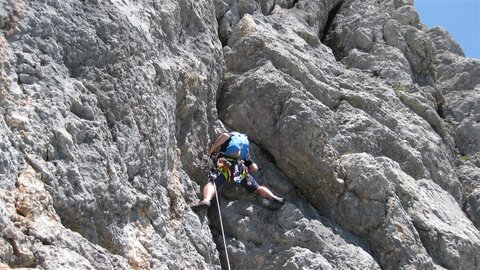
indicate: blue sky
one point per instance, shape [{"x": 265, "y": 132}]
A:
[{"x": 461, "y": 18}]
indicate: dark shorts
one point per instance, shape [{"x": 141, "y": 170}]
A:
[{"x": 248, "y": 182}]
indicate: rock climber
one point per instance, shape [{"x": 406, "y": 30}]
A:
[{"x": 232, "y": 163}]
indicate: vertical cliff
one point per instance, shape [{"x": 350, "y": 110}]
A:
[{"x": 361, "y": 116}]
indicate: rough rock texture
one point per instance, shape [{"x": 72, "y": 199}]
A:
[
  {"x": 362, "y": 117},
  {"x": 106, "y": 100}
]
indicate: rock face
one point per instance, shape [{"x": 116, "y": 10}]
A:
[
  {"x": 364, "y": 119},
  {"x": 106, "y": 101}
]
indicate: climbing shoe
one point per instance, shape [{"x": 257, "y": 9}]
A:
[
  {"x": 272, "y": 205},
  {"x": 279, "y": 200},
  {"x": 200, "y": 205}
]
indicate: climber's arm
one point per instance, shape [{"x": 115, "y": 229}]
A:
[{"x": 222, "y": 138}]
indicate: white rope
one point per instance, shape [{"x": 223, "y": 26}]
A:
[{"x": 221, "y": 224}]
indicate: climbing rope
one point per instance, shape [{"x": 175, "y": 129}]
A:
[{"x": 221, "y": 224}]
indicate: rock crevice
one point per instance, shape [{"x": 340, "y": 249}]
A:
[{"x": 360, "y": 116}]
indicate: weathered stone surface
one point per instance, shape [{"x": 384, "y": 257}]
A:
[
  {"x": 458, "y": 81},
  {"x": 100, "y": 99},
  {"x": 229, "y": 12},
  {"x": 443, "y": 41},
  {"x": 364, "y": 119},
  {"x": 393, "y": 26},
  {"x": 425, "y": 211},
  {"x": 317, "y": 118},
  {"x": 294, "y": 237}
]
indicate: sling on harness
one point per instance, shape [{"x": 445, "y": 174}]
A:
[{"x": 231, "y": 169}]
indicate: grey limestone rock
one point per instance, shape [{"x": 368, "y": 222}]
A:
[
  {"x": 98, "y": 101},
  {"x": 443, "y": 41},
  {"x": 293, "y": 237},
  {"x": 270, "y": 93},
  {"x": 364, "y": 119},
  {"x": 394, "y": 25}
]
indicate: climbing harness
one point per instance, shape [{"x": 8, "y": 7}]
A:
[
  {"x": 231, "y": 169},
  {"x": 221, "y": 225}
]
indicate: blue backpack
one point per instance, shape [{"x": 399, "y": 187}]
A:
[{"x": 237, "y": 147}]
